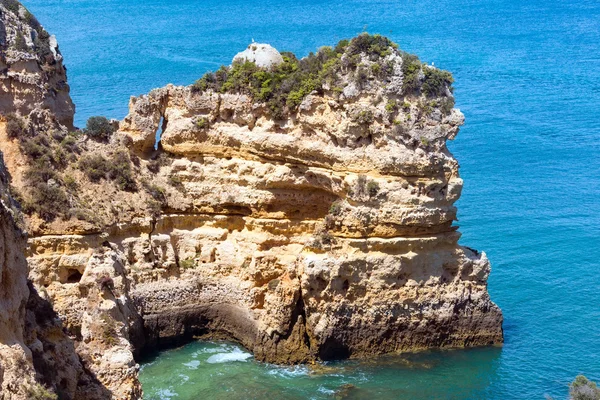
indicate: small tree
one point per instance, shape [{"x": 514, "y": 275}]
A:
[{"x": 99, "y": 128}]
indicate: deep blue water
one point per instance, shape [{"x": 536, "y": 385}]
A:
[{"x": 528, "y": 80}]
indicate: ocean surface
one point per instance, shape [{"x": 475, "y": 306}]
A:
[{"x": 528, "y": 81}]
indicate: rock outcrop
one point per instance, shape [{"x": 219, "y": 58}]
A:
[
  {"x": 33, "y": 80},
  {"x": 304, "y": 209},
  {"x": 38, "y": 360}
]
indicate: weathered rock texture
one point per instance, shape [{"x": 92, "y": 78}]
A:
[
  {"x": 321, "y": 232},
  {"x": 33, "y": 80},
  {"x": 37, "y": 358}
]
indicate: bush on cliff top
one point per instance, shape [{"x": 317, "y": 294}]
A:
[
  {"x": 99, "y": 128},
  {"x": 583, "y": 389},
  {"x": 283, "y": 87}
]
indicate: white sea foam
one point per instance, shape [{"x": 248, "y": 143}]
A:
[
  {"x": 192, "y": 364},
  {"x": 234, "y": 355},
  {"x": 166, "y": 394},
  {"x": 325, "y": 390},
  {"x": 289, "y": 372}
]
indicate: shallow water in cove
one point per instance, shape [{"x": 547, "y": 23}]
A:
[{"x": 528, "y": 81}]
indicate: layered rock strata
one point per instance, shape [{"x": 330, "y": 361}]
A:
[{"x": 318, "y": 230}]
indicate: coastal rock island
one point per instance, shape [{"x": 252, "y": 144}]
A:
[{"x": 301, "y": 207}]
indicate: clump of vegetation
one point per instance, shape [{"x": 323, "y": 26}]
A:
[
  {"x": 153, "y": 166},
  {"x": 121, "y": 173},
  {"x": 363, "y": 117},
  {"x": 20, "y": 42},
  {"x": 158, "y": 193},
  {"x": 109, "y": 330},
  {"x": 391, "y": 106},
  {"x": 99, "y": 128},
  {"x": 336, "y": 208},
  {"x": 118, "y": 169},
  {"x": 11, "y": 5},
  {"x": 37, "y": 391},
  {"x": 283, "y": 87},
  {"x": 15, "y": 126},
  {"x": 202, "y": 123},
  {"x": 94, "y": 166},
  {"x": 187, "y": 263},
  {"x": 360, "y": 186},
  {"x": 374, "y": 46},
  {"x": 411, "y": 71},
  {"x": 583, "y": 389},
  {"x": 322, "y": 239},
  {"x": 47, "y": 198},
  {"x": 372, "y": 188},
  {"x": 436, "y": 81},
  {"x": 364, "y": 189}
]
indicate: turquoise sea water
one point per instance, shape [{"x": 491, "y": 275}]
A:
[{"x": 528, "y": 80}]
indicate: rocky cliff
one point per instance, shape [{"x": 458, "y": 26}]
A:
[
  {"x": 38, "y": 360},
  {"x": 33, "y": 80},
  {"x": 301, "y": 207}
]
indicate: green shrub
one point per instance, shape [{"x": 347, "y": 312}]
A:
[
  {"x": 95, "y": 167},
  {"x": 363, "y": 117},
  {"x": 391, "y": 106},
  {"x": 336, "y": 208},
  {"x": 48, "y": 201},
  {"x": 118, "y": 169},
  {"x": 154, "y": 207},
  {"x": 15, "y": 127},
  {"x": 69, "y": 143},
  {"x": 187, "y": 263},
  {"x": 121, "y": 172},
  {"x": 372, "y": 188},
  {"x": 37, "y": 148},
  {"x": 375, "y": 69},
  {"x": 11, "y": 5},
  {"x": 372, "y": 45},
  {"x": 361, "y": 76},
  {"x": 37, "y": 391},
  {"x": 158, "y": 193},
  {"x": 446, "y": 105},
  {"x": 99, "y": 128},
  {"x": 322, "y": 239},
  {"x": 20, "y": 42},
  {"x": 283, "y": 87},
  {"x": 436, "y": 81},
  {"x": 583, "y": 389},
  {"x": 411, "y": 69},
  {"x": 202, "y": 123}
]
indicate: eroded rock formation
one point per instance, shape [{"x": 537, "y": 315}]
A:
[
  {"x": 33, "y": 80},
  {"x": 312, "y": 228}
]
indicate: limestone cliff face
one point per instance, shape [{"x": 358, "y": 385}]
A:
[
  {"x": 37, "y": 359},
  {"x": 33, "y": 80},
  {"x": 310, "y": 227}
]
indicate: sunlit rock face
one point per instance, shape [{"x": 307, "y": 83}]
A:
[{"x": 316, "y": 227}]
